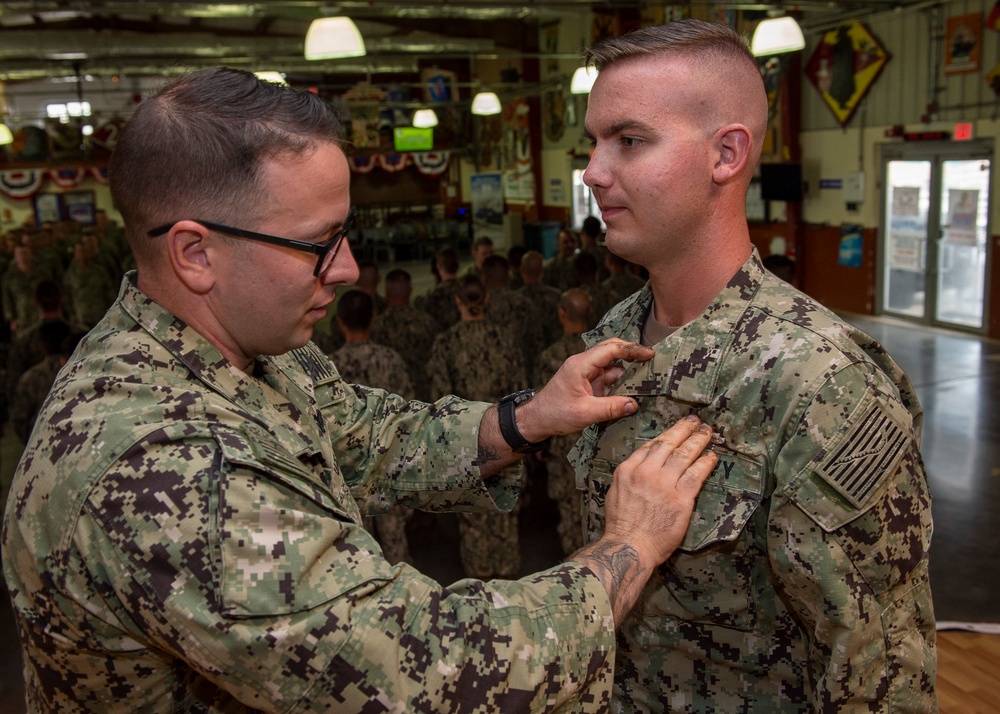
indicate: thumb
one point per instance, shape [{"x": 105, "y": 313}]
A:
[{"x": 617, "y": 407}]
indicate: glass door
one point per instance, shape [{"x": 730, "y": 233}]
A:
[
  {"x": 935, "y": 213},
  {"x": 961, "y": 264}
]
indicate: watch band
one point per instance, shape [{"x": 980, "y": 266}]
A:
[{"x": 508, "y": 424}]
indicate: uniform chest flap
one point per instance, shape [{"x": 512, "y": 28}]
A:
[{"x": 710, "y": 578}]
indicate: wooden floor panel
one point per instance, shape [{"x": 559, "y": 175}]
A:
[{"x": 968, "y": 679}]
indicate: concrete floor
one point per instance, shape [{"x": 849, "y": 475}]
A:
[{"x": 957, "y": 378}]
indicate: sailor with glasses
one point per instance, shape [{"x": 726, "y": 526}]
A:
[{"x": 184, "y": 529}]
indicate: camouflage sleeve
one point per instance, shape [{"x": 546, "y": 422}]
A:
[
  {"x": 848, "y": 538},
  {"x": 242, "y": 571},
  {"x": 413, "y": 454}
]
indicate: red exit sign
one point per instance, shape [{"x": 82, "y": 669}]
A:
[{"x": 963, "y": 132}]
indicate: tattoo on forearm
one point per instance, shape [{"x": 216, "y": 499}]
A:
[
  {"x": 618, "y": 568},
  {"x": 487, "y": 454}
]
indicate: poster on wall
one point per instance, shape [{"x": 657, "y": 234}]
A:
[
  {"x": 851, "y": 244},
  {"x": 487, "y": 206},
  {"x": 79, "y": 207},
  {"x": 907, "y": 229},
  {"x": 963, "y": 43},
  {"x": 963, "y": 209},
  {"x": 844, "y": 66},
  {"x": 48, "y": 208}
]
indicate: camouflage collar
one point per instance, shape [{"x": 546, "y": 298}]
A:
[{"x": 685, "y": 364}]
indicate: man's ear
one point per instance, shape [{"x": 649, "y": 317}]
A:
[
  {"x": 192, "y": 255},
  {"x": 733, "y": 143}
]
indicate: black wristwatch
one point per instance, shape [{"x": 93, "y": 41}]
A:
[{"x": 508, "y": 425}]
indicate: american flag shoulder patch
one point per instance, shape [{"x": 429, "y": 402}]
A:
[{"x": 855, "y": 466}]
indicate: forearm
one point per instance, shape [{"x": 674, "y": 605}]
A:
[
  {"x": 621, "y": 571},
  {"x": 494, "y": 454}
]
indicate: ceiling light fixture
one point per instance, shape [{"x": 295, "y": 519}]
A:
[
  {"x": 777, "y": 35},
  {"x": 332, "y": 38},
  {"x": 6, "y": 137},
  {"x": 486, "y": 103},
  {"x": 583, "y": 80},
  {"x": 425, "y": 118}
]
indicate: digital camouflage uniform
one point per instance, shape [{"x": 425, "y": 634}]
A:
[
  {"x": 545, "y": 302},
  {"x": 30, "y": 392},
  {"x": 182, "y": 537},
  {"x": 559, "y": 273},
  {"x": 512, "y": 311},
  {"x": 801, "y": 584},
  {"x": 561, "y": 476},
  {"x": 17, "y": 292},
  {"x": 379, "y": 366},
  {"x": 475, "y": 359},
  {"x": 410, "y": 332},
  {"x": 439, "y": 303},
  {"x": 87, "y": 293}
]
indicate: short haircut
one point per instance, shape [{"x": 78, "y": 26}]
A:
[
  {"x": 398, "y": 276},
  {"x": 696, "y": 38},
  {"x": 197, "y": 148},
  {"x": 481, "y": 241},
  {"x": 496, "y": 271},
  {"x": 515, "y": 254},
  {"x": 53, "y": 335},
  {"x": 48, "y": 295},
  {"x": 575, "y": 302},
  {"x": 448, "y": 259},
  {"x": 356, "y": 308},
  {"x": 472, "y": 294},
  {"x": 592, "y": 226}
]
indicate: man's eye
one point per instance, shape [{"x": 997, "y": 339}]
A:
[{"x": 630, "y": 141}]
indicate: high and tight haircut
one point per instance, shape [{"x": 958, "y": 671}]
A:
[
  {"x": 198, "y": 147},
  {"x": 693, "y": 38},
  {"x": 356, "y": 309},
  {"x": 472, "y": 294}
]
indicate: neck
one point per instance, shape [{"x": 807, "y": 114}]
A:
[{"x": 683, "y": 287}]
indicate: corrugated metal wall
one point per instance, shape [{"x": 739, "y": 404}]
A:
[{"x": 914, "y": 75}]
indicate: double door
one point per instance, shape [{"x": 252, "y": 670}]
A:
[{"x": 935, "y": 233}]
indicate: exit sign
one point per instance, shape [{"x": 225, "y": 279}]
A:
[{"x": 963, "y": 132}]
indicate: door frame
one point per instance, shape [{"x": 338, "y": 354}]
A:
[{"x": 936, "y": 152}]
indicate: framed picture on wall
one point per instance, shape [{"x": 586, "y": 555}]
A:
[
  {"x": 48, "y": 208},
  {"x": 79, "y": 206}
]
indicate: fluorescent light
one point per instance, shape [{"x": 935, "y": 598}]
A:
[
  {"x": 425, "y": 118},
  {"x": 333, "y": 37},
  {"x": 271, "y": 76},
  {"x": 583, "y": 80},
  {"x": 486, "y": 103},
  {"x": 777, "y": 35},
  {"x": 6, "y": 137}
]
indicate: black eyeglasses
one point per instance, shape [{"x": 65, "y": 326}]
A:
[{"x": 327, "y": 250}]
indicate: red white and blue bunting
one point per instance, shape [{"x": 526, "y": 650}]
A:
[
  {"x": 21, "y": 184},
  {"x": 429, "y": 163},
  {"x": 25, "y": 183}
]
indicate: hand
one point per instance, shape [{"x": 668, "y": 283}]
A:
[
  {"x": 576, "y": 396},
  {"x": 653, "y": 491},
  {"x": 648, "y": 509}
]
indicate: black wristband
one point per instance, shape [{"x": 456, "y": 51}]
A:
[{"x": 508, "y": 424}]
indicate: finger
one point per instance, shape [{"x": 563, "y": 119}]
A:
[
  {"x": 604, "y": 353},
  {"x": 666, "y": 442},
  {"x": 696, "y": 474}
]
